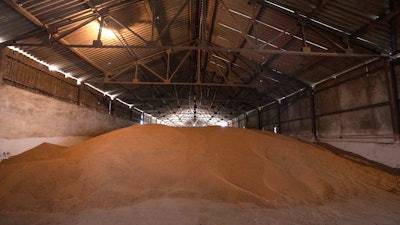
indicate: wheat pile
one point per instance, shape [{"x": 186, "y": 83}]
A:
[{"x": 147, "y": 162}]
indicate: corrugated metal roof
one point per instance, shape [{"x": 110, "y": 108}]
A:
[
  {"x": 148, "y": 26},
  {"x": 13, "y": 24}
]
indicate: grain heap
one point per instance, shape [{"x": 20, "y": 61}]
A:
[{"x": 138, "y": 163}]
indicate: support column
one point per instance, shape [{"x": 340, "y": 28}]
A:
[
  {"x": 260, "y": 125},
  {"x": 246, "y": 120},
  {"x": 393, "y": 99},
  {"x": 110, "y": 107},
  {"x": 313, "y": 117},
  {"x": 2, "y": 62},
  {"x": 80, "y": 87},
  {"x": 391, "y": 72},
  {"x": 131, "y": 114},
  {"x": 278, "y": 118},
  {"x": 395, "y": 23}
]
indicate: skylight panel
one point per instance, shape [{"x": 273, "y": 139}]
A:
[
  {"x": 270, "y": 78},
  {"x": 240, "y": 14},
  {"x": 365, "y": 40},
  {"x": 311, "y": 43},
  {"x": 218, "y": 57},
  {"x": 279, "y": 6},
  {"x": 277, "y": 71},
  {"x": 214, "y": 63},
  {"x": 329, "y": 26},
  {"x": 237, "y": 65},
  {"x": 262, "y": 41},
  {"x": 270, "y": 26},
  {"x": 220, "y": 37},
  {"x": 230, "y": 28}
]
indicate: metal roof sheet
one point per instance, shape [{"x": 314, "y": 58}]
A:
[{"x": 164, "y": 34}]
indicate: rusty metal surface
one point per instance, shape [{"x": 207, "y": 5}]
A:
[{"x": 267, "y": 39}]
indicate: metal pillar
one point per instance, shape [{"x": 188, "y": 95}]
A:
[
  {"x": 110, "y": 107},
  {"x": 2, "y": 62},
  {"x": 395, "y": 23},
  {"x": 278, "y": 118},
  {"x": 246, "y": 121},
  {"x": 260, "y": 125},
  {"x": 313, "y": 116},
  {"x": 79, "y": 97},
  {"x": 393, "y": 99},
  {"x": 391, "y": 72}
]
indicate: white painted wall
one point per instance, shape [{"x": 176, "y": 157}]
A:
[
  {"x": 28, "y": 119},
  {"x": 13, "y": 147},
  {"x": 385, "y": 153}
]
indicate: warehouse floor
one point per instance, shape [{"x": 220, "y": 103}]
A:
[{"x": 377, "y": 210}]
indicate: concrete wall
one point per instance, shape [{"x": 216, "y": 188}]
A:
[
  {"x": 252, "y": 120},
  {"x": 295, "y": 116},
  {"x": 270, "y": 117},
  {"x": 28, "y": 119},
  {"x": 355, "y": 107},
  {"x": 352, "y": 112},
  {"x": 38, "y": 105}
]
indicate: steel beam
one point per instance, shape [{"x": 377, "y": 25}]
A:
[
  {"x": 166, "y": 28},
  {"x": 175, "y": 83},
  {"x": 243, "y": 31},
  {"x": 25, "y": 13},
  {"x": 72, "y": 30},
  {"x": 374, "y": 24},
  {"x": 128, "y": 29},
  {"x": 336, "y": 33},
  {"x": 295, "y": 29},
  {"x": 210, "y": 48}
]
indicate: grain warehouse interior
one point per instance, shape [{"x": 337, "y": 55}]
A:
[{"x": 199, "y": 112}]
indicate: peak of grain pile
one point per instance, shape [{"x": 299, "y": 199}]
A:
[{"x": 131, "y": 165}]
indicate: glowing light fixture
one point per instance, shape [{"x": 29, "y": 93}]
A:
[{"x": 106, "y": 33}]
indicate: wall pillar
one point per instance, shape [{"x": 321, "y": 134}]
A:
[
  {"x": 260, "y": 124},
  {"x": 80, "y": 89},
  {"x": 278, "y": 119},
  {"x": 393, "y": 99},
  {"x": 246, "y": 120},
  {"x": 110, "y": 107},
  {"x": 2, "y": 62},
  {"x": 313, "y": 116},
  {"x": 391, "y": 72},
  {"x": 395, "y": 23}
]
